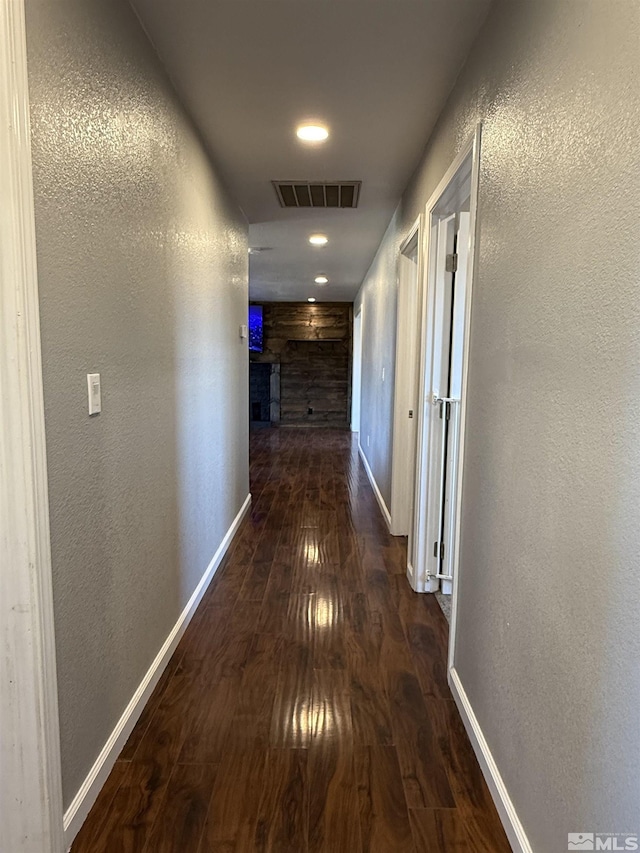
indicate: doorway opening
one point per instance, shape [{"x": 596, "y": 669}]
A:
[
  {"x": 450, "y": 228},
  {"x": 264, "y": 393}
]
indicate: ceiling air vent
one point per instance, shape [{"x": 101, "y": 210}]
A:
[{"x": 302, "y": 194}]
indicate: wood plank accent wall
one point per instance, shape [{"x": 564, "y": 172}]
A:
[{"x": 312, "y": 344}]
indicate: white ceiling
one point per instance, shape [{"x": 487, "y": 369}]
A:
[{"x": 376, "y": 71}]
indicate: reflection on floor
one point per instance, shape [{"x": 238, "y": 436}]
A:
[{"x": 307, "y": 706}]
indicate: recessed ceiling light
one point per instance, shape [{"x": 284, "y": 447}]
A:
[
  {"x": 318, "y": 240},
  {"x": 312, "y": 133},
  {"x": 321, "y": 279},
  {"x": 311, "y": 299}
]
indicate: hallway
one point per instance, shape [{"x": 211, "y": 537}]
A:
[{"x": 307, "y": 706}]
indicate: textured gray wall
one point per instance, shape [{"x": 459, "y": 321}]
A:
[
  {"x": 377, "y": 297},
  {"x": 549, "y": 638},
  {"x": 143, "y": 278}
]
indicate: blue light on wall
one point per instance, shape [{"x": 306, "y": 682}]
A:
[{"x": 255, "y": 328}]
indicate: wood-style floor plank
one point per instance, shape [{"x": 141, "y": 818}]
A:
[
  {"x": 207, "y": 722},
  {"x": 234, "y": 630},
  {"x": 330, "y": 716},
  {"x": 180, "y": 822},
  {"x": 440, "y": 831},
  {"x": 142, "y": 725},
  {"x": 283, "y": 813},
  {"x": 251, "y": 724},
  {"x": 426, "y": 631},
  {"x": 334, "y": 822},
  {"x": 255, "y": 583},
  {"x": 133, "y": 809},
  {"x": 101, "y": 812},
  {"x": 291, "y": 715},
  {"x": 306, "y": 707},
  {"x": 471, "y": 794},
  {"x": 233, "y": 811},
  {"x": 416, "y": 729},
  {"x": 370, "y": 715},
  {"x": 363, "y": 634},
  {"x": 165, "y": 734},
  {"x": 384, "y": 819}
]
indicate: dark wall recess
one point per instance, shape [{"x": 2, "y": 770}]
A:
[{"x": 311, "y": 344}]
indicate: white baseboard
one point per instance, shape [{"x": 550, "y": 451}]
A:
[
  {"x": 506, "y": 810},
  {"x": 383, "y": 507},
  {"x": 77, "y": 812}
]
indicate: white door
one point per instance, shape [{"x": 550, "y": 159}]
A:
[
  {"x": 406, "y": 388},
  {"x": 449, "y": 408},
  {"x": 441, "y": 420}
]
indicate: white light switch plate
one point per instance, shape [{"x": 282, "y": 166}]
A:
[
  {"x": 95, "y": 393},
  {"x": 243, "y": 332}
]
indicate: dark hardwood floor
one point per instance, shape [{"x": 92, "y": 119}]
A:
[{"x": 306, "y": 707}]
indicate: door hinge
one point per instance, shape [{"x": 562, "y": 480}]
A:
[
  {"x": 410, "y": 413},
  {"x": 452, "y": 263},
  {"x": 438, "y": 547}
]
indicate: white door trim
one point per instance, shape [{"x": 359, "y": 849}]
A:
[
  {"x": 412, "y": 233},
  {"x": 407, "y": 339},
  {"x": 474, "y": 144},
  {"x": 31, "y": 804},
  {"x": 356, "y": 371},
  {"x": 438, "y": 359},
  {"x": 420, "y": 580}
]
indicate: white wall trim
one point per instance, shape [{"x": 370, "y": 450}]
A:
[
  {"x": 85, "y": 798},
  {"x": 508, "y": 815},
  {"x": 31, "y": 804},
  {"x": 383, "y": 507}
]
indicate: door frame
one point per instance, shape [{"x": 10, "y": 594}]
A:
[
  {"x": 407, "y": 328},
  {"x": 467, "y": 160},
  {"x": 31, "y": 818},
  {"x": 356, "y": 371}
]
